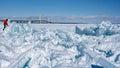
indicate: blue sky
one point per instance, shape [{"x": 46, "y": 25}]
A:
[{"x": 60, "y": 7}]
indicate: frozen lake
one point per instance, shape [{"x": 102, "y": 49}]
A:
[{"x": 60, "y": 45}]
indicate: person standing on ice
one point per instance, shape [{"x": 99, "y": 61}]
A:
[{"x": 5, "y": 23}]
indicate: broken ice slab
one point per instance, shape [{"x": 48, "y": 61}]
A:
[
  {"x": 100, "y": 60},
  {"x": 105, "y": 63},
  {"x": 117, "y": 59},
  {"x": 109, "y": 53},
  {"x": 96, "y": 66}
]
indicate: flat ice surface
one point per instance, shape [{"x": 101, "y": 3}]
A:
[{"x": 57, "y": 46}]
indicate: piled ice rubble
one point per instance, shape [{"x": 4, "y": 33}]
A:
[
  {"x": 105, "y": 28},
  {"x": 23, "y": 47}
]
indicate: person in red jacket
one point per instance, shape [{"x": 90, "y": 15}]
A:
[{"x": 5, "y": 23}]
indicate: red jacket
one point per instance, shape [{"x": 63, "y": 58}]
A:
[{"x": 5, "y": 22}]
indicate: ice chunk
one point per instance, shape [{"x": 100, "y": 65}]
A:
[
  {"x": 88, "y": 31},
  {"x": 117, "y": 59},
  {"x": 26, "y": 63},
  {"x": 78, "y": 30},
  {"x": 96, "y": 66},
  {"x": 105, "y": 63},
  {"x": 4, "y": 63},
  {"x": 109, "y": 53}
]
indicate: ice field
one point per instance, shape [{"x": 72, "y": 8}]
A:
[{"x": 60, "y": 45}]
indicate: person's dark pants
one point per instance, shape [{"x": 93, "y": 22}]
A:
[{"x": 4, "y": 27}]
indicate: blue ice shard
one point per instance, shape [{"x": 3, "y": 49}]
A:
[{"x": 96, "y": 66}]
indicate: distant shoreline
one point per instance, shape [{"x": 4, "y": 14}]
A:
[{"x": 50, "y": 22}]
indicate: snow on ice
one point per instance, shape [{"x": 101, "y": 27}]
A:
[{"x": 22, "y": 46}]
